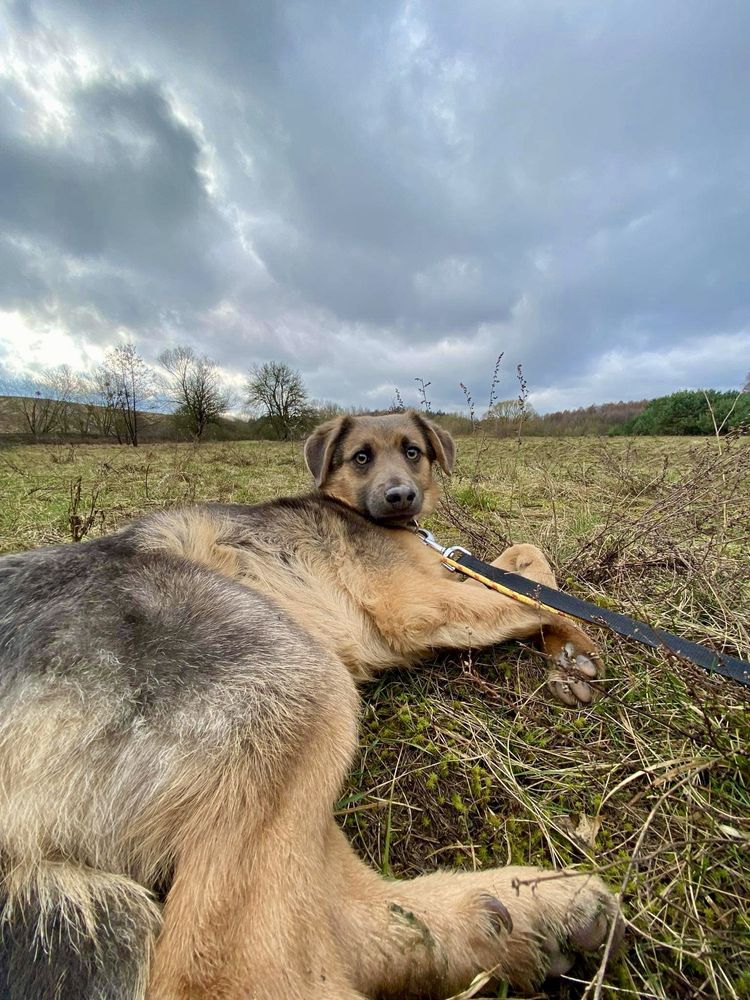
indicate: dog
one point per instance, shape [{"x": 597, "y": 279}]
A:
[{"x": 178, "y": 713}]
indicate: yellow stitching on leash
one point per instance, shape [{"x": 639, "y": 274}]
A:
[{"x": 521, "y": 598}]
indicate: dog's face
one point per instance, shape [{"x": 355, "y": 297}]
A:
[{"x": 382, "y": 466}]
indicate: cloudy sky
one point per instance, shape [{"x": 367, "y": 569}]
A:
[{"x": 374, "y": 191}]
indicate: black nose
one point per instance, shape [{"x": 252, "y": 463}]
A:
[{"x": 400, "y": 497}]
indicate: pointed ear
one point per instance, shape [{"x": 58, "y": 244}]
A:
[
  {"x": 321, "y": 445},
  {"x": 442, "y": 443}
]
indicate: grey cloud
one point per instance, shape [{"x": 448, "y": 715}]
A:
[
  {"x": 36, "y": 277},
  {"x": 20, "y": 281},
  {"x": 553, "y": 180},
  {"x": 125, "y": 188}
]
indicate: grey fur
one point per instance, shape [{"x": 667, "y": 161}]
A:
[{"x": 128, "y": 678}]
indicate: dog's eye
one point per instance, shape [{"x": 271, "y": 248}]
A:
[
  {"x": 413, "y": 453},
  {"x": 362, "y": 458}
]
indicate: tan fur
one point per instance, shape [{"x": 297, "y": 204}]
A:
[{"x": 266, "y": 898}]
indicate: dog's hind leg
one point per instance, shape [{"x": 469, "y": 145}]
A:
[
  {"x": 246, "y": 917},
  {"x": 429, "y": 937},
  {"x": 73, "y": 933}
]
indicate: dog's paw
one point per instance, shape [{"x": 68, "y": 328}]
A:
[
  {"x": 582, "y": 926},
  {"x": 569, "y": 679},
  {"x": 548, "y": 920}
]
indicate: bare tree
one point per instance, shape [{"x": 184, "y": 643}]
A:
[
  {"x": 746, "y": 386},
  {"x": 43, "y": 400},
  {"x": 505, "y": 409},
  {"x": 128, "y": 384},
  {"x": 326, "y": 409},
  {"x": 98, "y": 398},
  {"x": 194, "y": 386},
  {"x": 278, "y": 391}
]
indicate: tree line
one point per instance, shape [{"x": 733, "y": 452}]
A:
[
  {"x": 188, "y": 393},
  {"x": 110, "y": 401},
  {"x": 705, "y": 411},
  {"x": 687, "y": 412}
]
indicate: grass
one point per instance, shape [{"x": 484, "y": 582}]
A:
[{"x": 467, "y": 763}]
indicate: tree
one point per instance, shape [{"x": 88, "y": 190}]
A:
[
  {"x": 326, "y": 409},
  {"x": 506, "y": 417},
  {"x": 277, "y": 390},
  {"x": 194, "y": 386},
  {"x": 126, "y": 383},
  {"x": 509, "y": 409},
  {"x": 43, "y": 400},
  {"x": 746, "y": 386},
  {"x": 98, "y": 398}
]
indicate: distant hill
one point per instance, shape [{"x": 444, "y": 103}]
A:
[
  {"x": 705, "y": 411},
  {"x": 504, "y": 418},
  {"x": 75, "y": 423}
]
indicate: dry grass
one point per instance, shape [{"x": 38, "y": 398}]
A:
[{"x": 467, "y": 763}]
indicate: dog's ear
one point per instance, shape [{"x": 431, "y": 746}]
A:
[
  {"x": 442, "y": 443},
  {"x": 321, "y": 445}
]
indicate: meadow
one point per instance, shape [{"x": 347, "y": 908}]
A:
[{"x": 467, "y": 762}]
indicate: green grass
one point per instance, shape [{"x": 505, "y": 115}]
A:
[{"x": 467, "y": 763}]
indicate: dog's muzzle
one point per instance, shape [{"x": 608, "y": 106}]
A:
[
  {"x": 396, "y": 501},
  {"x": 400, "y": 498}
]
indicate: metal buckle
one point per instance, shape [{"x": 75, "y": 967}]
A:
[
  {"x": 448, "y": 553},
  {"x": 429, "y": 539}
]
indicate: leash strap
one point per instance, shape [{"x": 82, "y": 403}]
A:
[{"x": 520, "y": 588}]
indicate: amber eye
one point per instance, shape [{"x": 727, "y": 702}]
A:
[
  {"x": 361, "y": 458},
  {"x": 413, "y": 453}
]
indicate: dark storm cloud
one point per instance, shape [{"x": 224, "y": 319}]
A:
[
  {"x": 378, "y": 191},
  {"x": 124, "y": 188}
]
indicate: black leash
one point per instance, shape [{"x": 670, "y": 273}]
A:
[{"x": 536, "y": 594}]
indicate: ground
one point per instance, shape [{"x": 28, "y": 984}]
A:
[{"x": 467, "y": 762}]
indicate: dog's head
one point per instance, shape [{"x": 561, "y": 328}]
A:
[{"x": 382, "y": 466}]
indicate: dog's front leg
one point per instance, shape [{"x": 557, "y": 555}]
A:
[
  {"x": 423, "y": 608},
  {"x": 572, "y": 654}
]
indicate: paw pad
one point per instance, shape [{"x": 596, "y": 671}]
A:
[{"x": 569, "y": 682}]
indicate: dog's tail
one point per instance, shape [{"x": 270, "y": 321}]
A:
[{"x": 74, "y": 933}]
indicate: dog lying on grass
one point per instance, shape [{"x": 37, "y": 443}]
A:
[{"x": 178, "y": 713}]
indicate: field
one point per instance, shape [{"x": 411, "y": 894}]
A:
[{"x": 467, "y": 762}]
